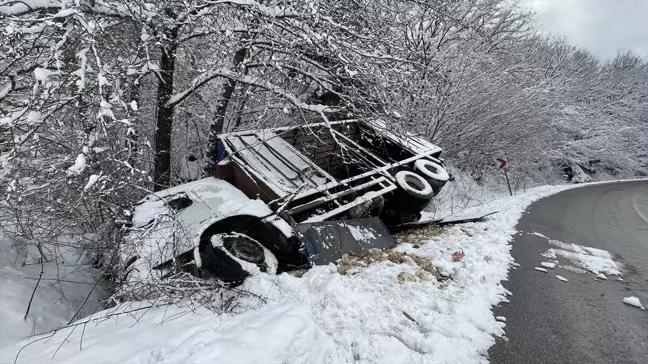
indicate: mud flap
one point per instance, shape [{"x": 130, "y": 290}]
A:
[{"x": 327, "y": 241}]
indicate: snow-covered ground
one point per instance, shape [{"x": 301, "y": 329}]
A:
[
  {"x": 64, "y": 286},
  {"x": 324, "y": 317}
]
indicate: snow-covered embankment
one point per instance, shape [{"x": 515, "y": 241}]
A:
[{"x": 326, "y": 317}]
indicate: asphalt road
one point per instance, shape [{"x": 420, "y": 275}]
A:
[{"x": 583, "y": 320}]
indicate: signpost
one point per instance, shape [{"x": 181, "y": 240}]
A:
[{"x": 503, "y": 164}]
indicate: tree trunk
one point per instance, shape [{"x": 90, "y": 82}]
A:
[
  {"x": 219, "y": 116},
  {"x": 162, "y": 172}
]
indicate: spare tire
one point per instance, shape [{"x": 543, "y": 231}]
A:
[
  {"x": 230, "y": 256},
  {"x": 433, "y": 172},
  {"x": 412, "y": 195}
]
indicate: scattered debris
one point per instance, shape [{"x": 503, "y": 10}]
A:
[
  {"x": 458, "y": 256},
  {"x": 409, "y": 317},
  {"x": 540, "y": 269},
  {"x": 601, "y": 276},
  {"x": 425, "y": 276},
  {"x": 418, "y": 235},
  {"x": 404, "y": 277},
  {"x": 633, "y": 301},
  {"x": 561, "y": 278},
  {"x": 548, "y": 265},
  {"x": 350, "y": 263}
]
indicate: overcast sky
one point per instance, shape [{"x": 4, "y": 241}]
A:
[{"x": 602, "y": 26}]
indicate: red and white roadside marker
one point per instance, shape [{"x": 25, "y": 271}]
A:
[{"x": 503, "y": 164}]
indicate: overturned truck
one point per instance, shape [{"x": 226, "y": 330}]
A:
[{"x": 286, "y": 198}]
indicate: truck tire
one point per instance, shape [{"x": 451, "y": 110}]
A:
[
  {"x": 227, "y": 260},
  {"x": 433, "y": 172},
  {"x": 412, "y": 195}
]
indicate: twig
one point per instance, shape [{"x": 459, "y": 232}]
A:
[
  {"x": 35, "y": 288},
  {"x": 82, "y": 333},
  {"x": 63, "y": 342},
  {"x": 59, "y": 280},
  {"x": 26, "y": 345},
  {"x": 97, "y": 318},
  {"x": 84, "y": 301}
]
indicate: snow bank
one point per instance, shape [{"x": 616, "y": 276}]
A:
[
  {"x": 271, "y": 334},
  {"x": 327, "y": 317}
]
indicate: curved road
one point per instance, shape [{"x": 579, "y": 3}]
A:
[{"x": 584, "y": 319}]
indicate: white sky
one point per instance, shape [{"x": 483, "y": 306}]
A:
[{"x": 602, "y": 26}]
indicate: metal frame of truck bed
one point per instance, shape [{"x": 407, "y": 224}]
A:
[{"x": 264, "y": 164}]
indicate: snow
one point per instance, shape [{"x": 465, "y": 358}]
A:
[
  {"x": 65, "y": 12},
  {"x": 271, "y": 334},
  {"x": 34, "y": 117},
  {"x": 540, "y": 269},
  {"x": 431, "y": 169},
  {"x": 133, "y": 105},
  {"x": 597, "y": 261},
  {"x": 79, "y": 165},
  {"x": 57, "y": 298},
  {"x": 4, "y": 91},
  {"x": 327, "y": 317},
  {"x": 22, "y": 6},
  {"x": 361, "y": 233},
  {"x": 540, "y": 235},
  {"x": 42, "y": 74},
  {"x": 592, "y": 259},
  {"x": 633, "y": 301},
  {"x": 579, "y": 175},
  {"x": 91, "y": 181},
  {"x": 561, "y": 278},
  {"x": 548, "y": 265},
  {"x": 403, "y": 183},
  {"x": 601, "y": 276}
]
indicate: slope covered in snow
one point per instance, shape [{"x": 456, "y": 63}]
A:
[
  {"x": 64, "y": 286},
  {"x": 363, "y": 316}
]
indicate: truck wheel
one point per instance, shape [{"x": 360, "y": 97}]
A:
[
  {"x": 232, "y": 257},
  {"x": 433, "y": 172},
  {"x": 413, "y": 194}
]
